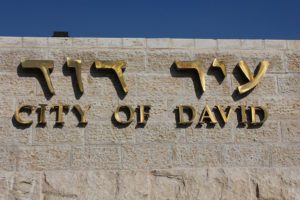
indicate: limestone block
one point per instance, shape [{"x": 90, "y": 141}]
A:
[
  {"x": 229, "y": 44},
  {"x": 57, "y": 42},
  {"x": 275, "y": 44},
  {"x": 161, "y": 60},
  {"x": 160, "y": 132},
  {"x": 211, "y": 183},
  {"x": 10, "y": 41},
  {"x": 55, "y": 136},
  {"x": 269, "y": 132},
  {"x": 96, "y": 157},
  {"x": 35, "y": 42},
  {"x": 134, "y": 42},
  {"x": 205, "y": 44},
  {"x": 146, "y": 156},
  {"x": 110, "y": 42},
  {"x": 182, "y": 43},
  {"x": 289, "y": 84},
  {"x": 64, "y": 185},
  {"x": 293, "y": 62},
  {"x": 253, "y": 44},
  {"x": 270, "y": 183},
  {"x": 158, "y": 43},
  {"x": 133, "y": 185},
  {"x": 285, "y": 155},
  {"x": 108, "y": 134},
  {"x": 281, "y": 108},
  {"x": 291, "y": 130},
  {"x": 84, "y": 42},
  {"x": 24, "y": 185},
  {"x": 243, "y": 155},
  {"x": 207, "y": 134},
  {"x": 37, "y": 158},
  {"x": 102, "y": 184},
  {"x": 7, "y": 159},
  {"x": 197, "y": 155},
  {"x": 158, "y": 86},
  {"x": 293, "y": 45},
  {"x": 14, "y": 86}
]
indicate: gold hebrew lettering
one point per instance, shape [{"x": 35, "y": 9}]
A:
[
  {"x": 117, "y": 66},
  {"x": 193, "y": 65},
  {"x": 219, "y": 64},
  {"x": 77, "y": 65},
  {"x": 46, "y": 66},
  {"x": 253, "y": 81}
]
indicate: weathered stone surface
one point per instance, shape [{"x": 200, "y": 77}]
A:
[
  {"x": 229, "y": 44},
  {"x": 96, "y": 157},
  {"x": 268, "y": 133},
  {"x": 275, "y": 44},
  {"x": 270, "y": 183},
  {"x": 289, "y": 85},
  {"x": 37, "y": 158},
  {"x": 290, "y": 130},
  {"x": 285, "y": 155},
  {"x": 146, "y": 156},
  {"x": 243, "y": 156},
  {"x": 161, "y": 159},
  {"x": 24, "y": 185},
  {"x": 253, "y": 44},
  {"x": 293, "y": 62},
  {"x": 161, "y": 60},
  {"x": 197, "y": 155},
  {"x": 134, "y": 42}
]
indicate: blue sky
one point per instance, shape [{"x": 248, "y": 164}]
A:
[{"x": 263, "y": 19}]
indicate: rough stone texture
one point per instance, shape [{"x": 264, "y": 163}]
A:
[{"x": 161, "y": 160}]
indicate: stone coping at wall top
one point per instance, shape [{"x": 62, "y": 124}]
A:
[{"x": 160, "y": 43}]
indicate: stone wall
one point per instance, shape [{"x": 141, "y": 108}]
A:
[{"x": 160, "y": 160}]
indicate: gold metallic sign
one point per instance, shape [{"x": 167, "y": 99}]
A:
[
  {"x": 195, "y": 66},
  {"x": 253, "y": 81},
  {"x": 219, "y": 64},
  {"x": 76, "y": 64},
  {"x": 186, "y": 113},
  {"x": 117, "y": 67},
  {"x": 208, "y": 114},
  {"x": 46, "y": 66}
]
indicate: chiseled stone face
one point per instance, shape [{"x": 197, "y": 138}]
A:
[{"x": 159, "y": 160}]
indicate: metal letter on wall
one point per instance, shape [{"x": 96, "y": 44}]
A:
[
  {"x": 118, "y": 67},
  {"x": 18, "y": 116},
  {"x": 219, "y": 64},
  {"x": 45, "y": 66},
  {"x": 253, "y": 81},
  {"x": 193, "y": 65},
  {"x": 77, "y": 65}
]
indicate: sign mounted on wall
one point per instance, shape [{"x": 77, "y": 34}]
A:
[{"x": 143, "y": 111}]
